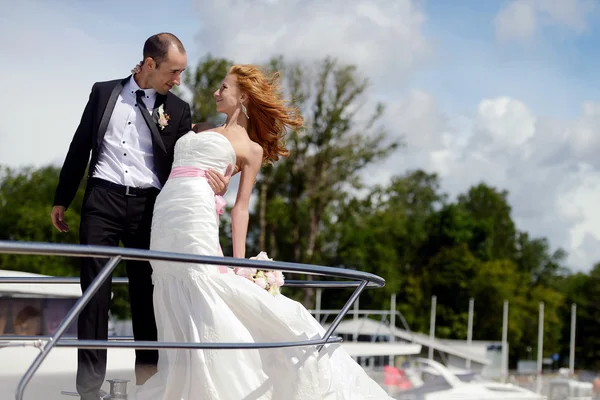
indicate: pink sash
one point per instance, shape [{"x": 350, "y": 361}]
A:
[{"x": 220, "y": 203}]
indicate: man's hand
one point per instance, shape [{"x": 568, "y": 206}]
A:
[
  {"x": 218, "y": 182},
  {"x": 58, "y": 218}
]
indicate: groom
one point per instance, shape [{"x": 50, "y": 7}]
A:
[{"x": 130, "y": 126}]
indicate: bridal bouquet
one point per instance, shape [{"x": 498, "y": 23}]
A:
[{"x": 271, "y": 281}]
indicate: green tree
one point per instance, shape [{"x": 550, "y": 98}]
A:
[
  {"x": 326, "y": 158},
  {"x": 494, "y": 232},
  {"x": 384, "y": 234},
  {"x": 583, "y": 290},
  {"x": 533, "y": 256},
  {"x": 26, "y": 198}
]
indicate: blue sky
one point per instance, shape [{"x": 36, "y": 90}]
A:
[
  {"x": 553, "y": 73},
  {"x": 500, "y": 91},
  {"x": 469, "y": 64}
]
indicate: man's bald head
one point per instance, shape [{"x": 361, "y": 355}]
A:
[
  {"x": 164, "y": 62},
  {"x": 157, "y": 46}
]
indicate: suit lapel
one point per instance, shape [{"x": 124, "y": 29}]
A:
[
  {"x": 160, "y": 100},
  {"x": 110, "y": 106},
  {"x": 108, "y": 110}
]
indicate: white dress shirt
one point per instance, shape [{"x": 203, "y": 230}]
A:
[{"x": 125, "y": 155}]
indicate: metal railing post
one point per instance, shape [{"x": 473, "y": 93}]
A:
[
  {"x": 343, "y": 311},
  {"x": 73, "y": 313}
]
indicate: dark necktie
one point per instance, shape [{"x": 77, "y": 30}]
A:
[{"x": 139, "y": 96}]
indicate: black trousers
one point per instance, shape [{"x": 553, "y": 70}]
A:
[{"x": 109, "y": 216}]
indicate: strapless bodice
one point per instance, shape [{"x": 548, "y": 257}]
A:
[{"x": 204, "y": 150}]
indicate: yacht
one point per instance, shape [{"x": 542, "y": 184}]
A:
[
  {"x": 433, "y": 381},
  {"x": 28, "y": 314}
]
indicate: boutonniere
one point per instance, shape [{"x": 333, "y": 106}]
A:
[{"x": 163, "y": 119}]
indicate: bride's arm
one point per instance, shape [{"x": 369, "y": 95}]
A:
[{"x": 240, "y": 213}]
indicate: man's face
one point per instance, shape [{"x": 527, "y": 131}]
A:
[{"x": 168, "y": 73}]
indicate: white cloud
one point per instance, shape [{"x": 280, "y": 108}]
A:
[
  {"x": 584, "y": 135},
  {"x": 52, "y": 67},
  {"x": 516, "y": 20},
  {"x": 418, "y": 122},
  {"x": 508, "y": 122},
  {"x": 414, "y": 117},
  {"x": 570, "y": 14},
  {"x": 589, "y": 249},
  {"x": 520, "y": 18},
  {"x": 547, "y": 166},
  {"x": 381, "y": 38}
]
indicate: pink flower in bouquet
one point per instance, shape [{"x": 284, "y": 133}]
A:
[
  {"x": 261, "y": 282},
  {"x": 279, "y": 279},
  {"x": 270, "y": 276},
  {"x": 246, "y": 272},
  {"x": 264, "y": 278}
]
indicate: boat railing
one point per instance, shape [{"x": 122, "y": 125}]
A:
[{"x": 357, "y": 280}]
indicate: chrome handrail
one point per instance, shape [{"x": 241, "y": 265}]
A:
[
  {"x": 61, "y": 280},
  {"x": 52, "y": 249},
  {"x": 116, "y": 254}
]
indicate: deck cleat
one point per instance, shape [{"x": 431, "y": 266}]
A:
[{"x": 118, "y": 389}]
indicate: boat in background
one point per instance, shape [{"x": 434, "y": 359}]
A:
[
  {"x": 32, "y": 311},
  {"x": 433, "y": 381}
]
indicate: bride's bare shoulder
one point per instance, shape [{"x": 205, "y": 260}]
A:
[
  {"x": 248, "y": 151},
  {"x": 255, "y": 152}
]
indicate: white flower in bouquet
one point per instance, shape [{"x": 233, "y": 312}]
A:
[
  {"x": 261, "y": 282},
  {"x": 262, "y": 256},
  {"x": 271, "y": 281}
]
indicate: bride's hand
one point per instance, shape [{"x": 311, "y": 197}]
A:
[{"x": 137, "y": 68}]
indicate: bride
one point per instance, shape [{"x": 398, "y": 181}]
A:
[{"x": 204, "y": 303}]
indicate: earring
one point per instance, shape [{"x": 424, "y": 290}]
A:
[{"x": 245, "y": 111}]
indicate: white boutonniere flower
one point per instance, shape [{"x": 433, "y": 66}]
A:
[{"x": 163, "y": 119}]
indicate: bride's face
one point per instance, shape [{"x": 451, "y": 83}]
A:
[{"x": 228, "y": 97}]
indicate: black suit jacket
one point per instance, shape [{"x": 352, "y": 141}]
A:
[{"x": 92, "y": 127}]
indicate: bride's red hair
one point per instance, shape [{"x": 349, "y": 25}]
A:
[{"x": 270, "y": 115}]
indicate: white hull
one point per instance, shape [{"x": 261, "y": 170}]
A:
[
  {"x": 475, "y": 391},
  {"x": 57, "y": 372},
  {"x": 433, "y": 381}
]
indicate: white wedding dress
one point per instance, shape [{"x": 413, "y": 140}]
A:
[{"x": 204, "y": 303}]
